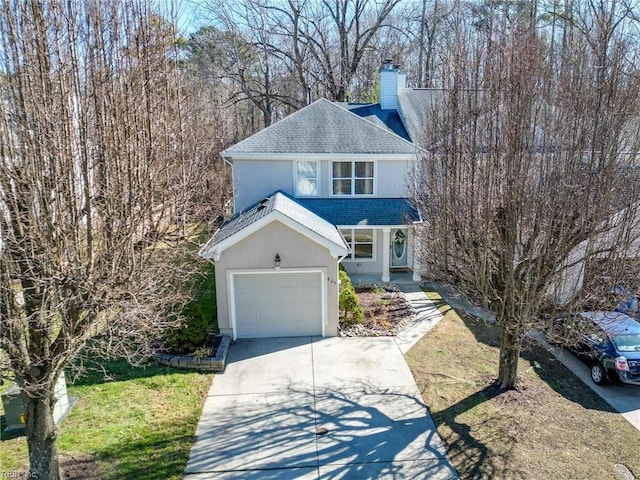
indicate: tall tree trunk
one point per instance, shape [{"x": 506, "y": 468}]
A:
[
  {"x": 510, "y": 346},
  {"x": 89, "y": 155},
  {"x": 41, "y": 436},
  {"x": 421, "y": 48}
]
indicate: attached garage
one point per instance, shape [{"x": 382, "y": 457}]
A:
[
  {"x": 277, "y": 304},
  {"x": 276, "y": 271}
]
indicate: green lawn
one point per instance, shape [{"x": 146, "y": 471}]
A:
[
  {"x": 554, "y": 427},
  {"x": 132, "y": 423}
]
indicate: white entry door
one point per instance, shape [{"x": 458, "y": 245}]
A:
[{"x": 399, "y": 243}]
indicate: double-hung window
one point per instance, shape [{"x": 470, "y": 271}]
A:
[
  {"x": 353, "y": 178},
  {"x": 306, "y": 178},
  {"x": 361, "y": 242}
]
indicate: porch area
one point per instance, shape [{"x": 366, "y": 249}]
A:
[{"x": 404, "y": 277}]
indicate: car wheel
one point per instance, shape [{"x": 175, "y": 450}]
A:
[{"x": 599, "y": 374}]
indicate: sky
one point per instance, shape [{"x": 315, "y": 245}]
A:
[{"x": 189, "y": 13}]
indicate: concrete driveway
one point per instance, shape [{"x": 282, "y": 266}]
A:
[{"x": 262, "y": 414}]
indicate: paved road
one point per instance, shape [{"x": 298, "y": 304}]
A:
[{"x": 624, "y": 398}]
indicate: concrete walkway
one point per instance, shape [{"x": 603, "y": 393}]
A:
[
  {"x": 426, "y": 317},
  {"x": 458, "y": 302},
  {"x": 262, "y": 415}
]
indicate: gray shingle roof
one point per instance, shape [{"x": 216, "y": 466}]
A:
[
  {"x": 415, "y": 109},
  {"x": 363, "y": 211},
  {"x": 324, "y": 128},
  {"x": 278, "y": 202}
]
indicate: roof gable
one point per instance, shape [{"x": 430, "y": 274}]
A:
[
  {"x": 322, "y": 128},
  {"x": 280, "y": 207}
]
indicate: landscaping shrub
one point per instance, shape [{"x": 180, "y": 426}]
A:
[
  {"x": 349, "y": 305},
  {"x": 199, "y": 316}
]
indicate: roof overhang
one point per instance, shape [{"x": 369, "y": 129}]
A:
[
  {"x": 375, "y": 227},
  {"x": 214, "y": 252},
  {"x": 231, "y": 156}
]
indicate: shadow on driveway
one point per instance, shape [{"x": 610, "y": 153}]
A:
[
  {"x": 262, "y": 416},
  {"x": 273, "y": 436}
]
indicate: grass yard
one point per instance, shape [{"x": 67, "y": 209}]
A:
[
  {"x": 130, "y": 423},
  {"x": 555, "y": 427}
]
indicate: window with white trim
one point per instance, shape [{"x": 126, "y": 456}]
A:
[
  {"x": 352, "y": 178},
  {"x": 361, "y": 242},
  {"x": 306, "y": 178}
]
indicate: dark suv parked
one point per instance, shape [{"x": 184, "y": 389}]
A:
[{"x": 608, "y": 341}]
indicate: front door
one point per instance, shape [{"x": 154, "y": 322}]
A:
[{"x": 399, "y": 247}]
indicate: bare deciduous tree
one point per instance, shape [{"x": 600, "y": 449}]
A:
[
  {"x": 424, "y": 22},
  {"x": 94, "y": 158},
  {"x": 339, "y": 34},
  {"x": 251, "y": 55},
  {"x": 280, "y": 49},
  {"x": 531, "y": 164}
]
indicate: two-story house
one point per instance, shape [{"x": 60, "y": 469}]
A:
[{"x": 326, "y": 185}]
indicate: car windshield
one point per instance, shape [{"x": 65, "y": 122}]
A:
[{"x": 628, "y": 342}]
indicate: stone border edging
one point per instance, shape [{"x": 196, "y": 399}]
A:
[{"x": 204, "y": 364}]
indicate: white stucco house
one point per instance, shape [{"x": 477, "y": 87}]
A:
[
  {"x": 325, "y": 185},
  {"x": 621, "y": 231}
]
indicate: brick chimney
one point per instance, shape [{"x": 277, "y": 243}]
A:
[{"x": 391, "y": 80}]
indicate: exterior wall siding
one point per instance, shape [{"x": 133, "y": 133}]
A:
[
  {"x": 257, "y": 252},
  {"x": 365, "y": 266},
  {"x": 389, "y": 89},
  {"x": 392, "y": 178},
  {"x": 326, "y": 182},
  {"x": 254, "y": 179}
]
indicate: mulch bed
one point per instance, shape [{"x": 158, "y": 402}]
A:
[{"x": 386, "y": 312}]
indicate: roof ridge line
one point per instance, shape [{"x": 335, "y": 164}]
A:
[
  {"x": 301, "y": 224},
  {"x": 387, "y": 141},
  {"x": 222, "y": 153},
  {"x": 388, "y": 132}
]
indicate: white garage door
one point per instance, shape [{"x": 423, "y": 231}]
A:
[{"x": 278, "y": 304}]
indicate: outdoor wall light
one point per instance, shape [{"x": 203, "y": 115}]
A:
[{"x": 277, "y": 261}]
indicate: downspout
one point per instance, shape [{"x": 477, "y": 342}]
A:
[{"x": 233, "y": 188}]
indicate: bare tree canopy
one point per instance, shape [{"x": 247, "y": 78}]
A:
[
  {"x": 95, "y": 157},
  {"x": 532, "y": 156},
  {"x": 274, "y": 52}
]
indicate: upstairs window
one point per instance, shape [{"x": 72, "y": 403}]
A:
[
  {"x": 306, "y": 179},
  {"x": 361, "y": 242},
  {"x": 353, "y": 178}
]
